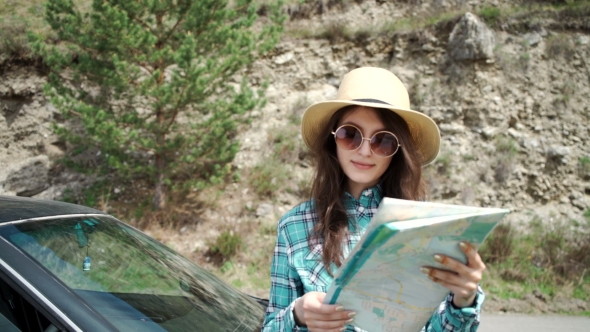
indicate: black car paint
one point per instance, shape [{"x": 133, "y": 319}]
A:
[
  {"x": 14, "y": 264},
  {"x": 13, "y": 208}
]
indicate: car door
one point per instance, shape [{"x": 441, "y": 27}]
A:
[
  {"x": 31, "y": 299},
  {"x": 18, "y": 314}
]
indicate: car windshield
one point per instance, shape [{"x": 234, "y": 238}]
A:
[{"x": 135, "y": 282}]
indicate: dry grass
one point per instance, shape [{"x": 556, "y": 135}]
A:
[
  {"x": 17, "y": 17},
  {"x": 338, "y": 31},
  {"x": 499, "y": 246},
  {"x": 559, "y": 46},
  {"x": 550, "y": 256},
  {"x": 506, "y": 152},
  {"x": 584, "y": 167},
  {"x": 13, "y": 38}
]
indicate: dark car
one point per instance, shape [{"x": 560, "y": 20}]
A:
[{"x": 65, "y": 267}]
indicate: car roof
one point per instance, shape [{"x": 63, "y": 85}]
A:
[{"x": 14, "y": 208}]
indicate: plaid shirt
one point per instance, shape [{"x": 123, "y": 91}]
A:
[{"x": 297, "y": 270}]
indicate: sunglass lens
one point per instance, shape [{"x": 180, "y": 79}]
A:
[
  {"x": 384, "y": 144},
  {"x": 348, "y": 137}
]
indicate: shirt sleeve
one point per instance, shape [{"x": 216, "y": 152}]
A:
[
  {"x": 284, "y": 290},
  {"x": 450, "y": 318}
]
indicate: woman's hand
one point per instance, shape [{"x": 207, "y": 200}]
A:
[
  {"x": 318, "y": 317},
  {"x": 463, "y": 279}
]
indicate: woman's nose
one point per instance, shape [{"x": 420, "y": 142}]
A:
[{"x": 365, "y": 148}]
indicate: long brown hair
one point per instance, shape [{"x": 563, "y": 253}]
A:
[{"x": 402, "y": 179}]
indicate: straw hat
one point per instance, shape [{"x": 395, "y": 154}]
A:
[{"x": 378, "y": 88}]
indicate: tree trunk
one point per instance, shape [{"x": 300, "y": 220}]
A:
[{"x": 160, "y": 187}]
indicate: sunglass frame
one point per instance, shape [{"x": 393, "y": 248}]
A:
[{"x": 368, "y": 139}]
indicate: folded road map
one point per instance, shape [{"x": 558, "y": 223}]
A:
[{"x": 381, "y": 279}]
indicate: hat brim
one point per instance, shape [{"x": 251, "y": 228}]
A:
[{"x": 423, "y": 129}]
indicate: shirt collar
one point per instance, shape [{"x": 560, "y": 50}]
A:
[{"x": 375, "y": 192}]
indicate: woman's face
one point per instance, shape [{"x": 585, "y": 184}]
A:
[{"x": 362, "y": 167}]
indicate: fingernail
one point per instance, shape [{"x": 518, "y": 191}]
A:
[
  {"x": 342, "y": 329},
  {"x": 351, "y": 314},
  {"x": 339, "y": 308},
  {"x": 432, "y": 278},
  {"x": 349, "y": 321},
  {"x": 425, "y": 270},
  {"x": 463, "y": 245},
  {"x": 438, "y": 258}
]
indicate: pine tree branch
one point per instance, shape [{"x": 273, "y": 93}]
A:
[
  {"x": 145, "y": 67},
  {"x": 142, "y": 148},
  {"x": 176, "y": 24},
  {"x": 75, "y": 113},
  {"x": 213, "y": 10},
  {"x": 176, "y": 109},
  {"x": 140, "y": 22}
]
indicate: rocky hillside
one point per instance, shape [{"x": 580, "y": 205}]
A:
[
  {"x": 508, "y": 89},
  {"x": 510, "y": 102}
]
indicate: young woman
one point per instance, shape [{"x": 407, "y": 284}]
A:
[{"x": 368, "y": 144}]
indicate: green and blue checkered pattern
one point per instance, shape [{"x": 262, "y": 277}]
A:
[{"x": 297, "y": 269}]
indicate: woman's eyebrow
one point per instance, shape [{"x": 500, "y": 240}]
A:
[{"x": 363, "y": 130}]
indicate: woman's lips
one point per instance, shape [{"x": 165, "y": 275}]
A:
[{"x": 361, "y": 165}]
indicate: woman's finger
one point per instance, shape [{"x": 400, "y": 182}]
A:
[
  {"x": 464, "y": 294},
  {"x": 464, "y": 291},
  {"x": 318, "y": 316},
  {"x": 473, "y": 258},
  {"x": 452, "y": 264},
  {"x": 474, "y": 262},
  {"x": 453, "y": 282},
  {"x": 329, "y": 322},
  {"x": 465, "y": 275},
  {"x": 461, "y": 279},
  {"x": 329, "y": 314},
  {"x": 320, "y": 325},
  {"x": 442, "y": 275},
  {"x": 456, "y": 273}
]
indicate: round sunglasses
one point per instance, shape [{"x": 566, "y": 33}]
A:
[{"x": 383, "y": 143}]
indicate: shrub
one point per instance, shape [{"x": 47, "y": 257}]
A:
[
  {"x": 13, "y": 39},
  {"x": 506, "y": 146},
  {"x": 559, "y": 46},
  {"x": 551, "y": 256},
  {"x": 297, "y": 109},
  {"x": 286, "y": 144},
  {"x": 499, "y": 245},
  {"x": 551, "y": 252},
  {"x": 565, "y": 251},
  {"x": 584, "y": 167},
  {"x": 267, "y": 177},
  {"x": 443, "y": 164},
  {"x": 335, "y": 31},
  {"x": 506, "y": 151},
  {"x": 272, "y": 174},
  {"x": 490, "y": 15},
  {"x": 226, "y": 245}
]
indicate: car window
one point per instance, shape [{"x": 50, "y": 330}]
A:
[
  {"x": 131, "y": 279},
  {"x": 6, "y": 319},
  {"x": 17, "y": 314}
]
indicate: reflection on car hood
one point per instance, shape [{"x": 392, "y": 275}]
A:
[{"x": 19, "y": 208}]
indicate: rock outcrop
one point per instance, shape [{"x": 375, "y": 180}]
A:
[{"x": 471, "y": 39}]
